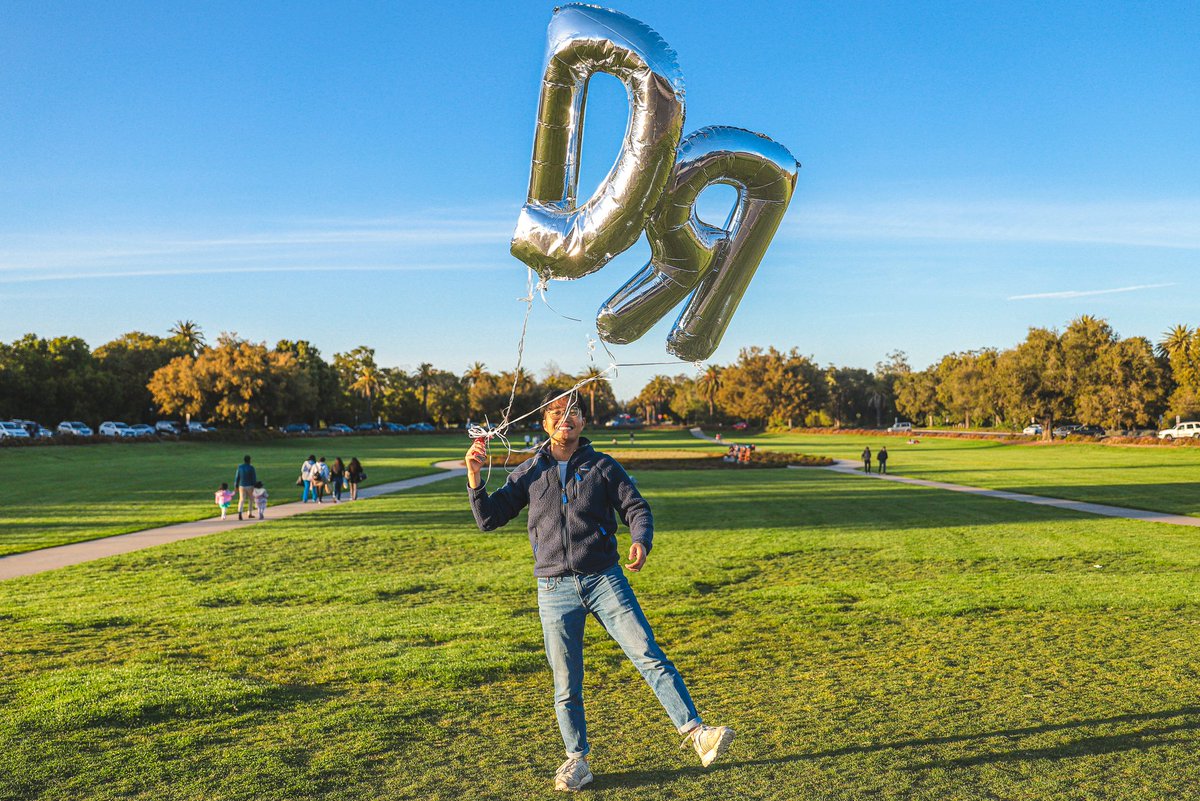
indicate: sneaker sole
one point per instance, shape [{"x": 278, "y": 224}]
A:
[
  {"x": 562, "y": 786},
  {"x": 721, "y": 747}
]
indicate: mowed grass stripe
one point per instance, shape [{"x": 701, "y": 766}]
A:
[
  {"x": 1158, "y": 478},
  {"x": 867, "y": 640},
  {"x": 76, "y": 493}
]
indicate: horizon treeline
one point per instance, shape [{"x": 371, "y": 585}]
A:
[{"x": 1085, "y": 373}]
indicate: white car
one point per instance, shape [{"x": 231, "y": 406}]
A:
[
  {"x": 111, "y": 429},
  {"x": 900, "y": 428},
  {"x": 1181, "y": 431},
  {"x": 142, "y": 430},
  {"x": 74, "y": 428},
  {"x": 12, "y": 430},
  {"x": 1033, "y": 430}
]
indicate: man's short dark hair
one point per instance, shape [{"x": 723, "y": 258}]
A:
[
  {"x": 553, "y": 395},
  {"x": 246, "y": 459}
]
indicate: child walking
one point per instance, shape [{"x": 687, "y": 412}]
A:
[
  {"x": 260, "y": 499},
  {"x": 224, "y": 496}
]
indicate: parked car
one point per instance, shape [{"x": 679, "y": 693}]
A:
[
  {"x": 1032, "y": 430},
  {"x": 395, "y": 428},
  {"x": 1189, "y": 430},
  {"x": 900, "y": 428},
  {"x": 169, "y": 427},
  {"x": 297, "y": 428},
  {"x": 142, "y": 430},
  {"x": 741, "y": 425},
  {"x": 1065, "y": 430},
  {"x": 200, "y": 428},
  {"x": 623, "y": 421},
  {"x": 340, "y": 428},
  {"x": 365, "y": 427},
  {"x": 1089, "y": 431},
  {"x": 111, "y": 428},
  {"x": 425, "y": 427},
  {"x": 13, "y": 430},
  {"x": 74, "y": 428},
  {"x": 30, "y": 426}
]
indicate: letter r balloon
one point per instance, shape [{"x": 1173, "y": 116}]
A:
[{"x": 653, "y": 186}]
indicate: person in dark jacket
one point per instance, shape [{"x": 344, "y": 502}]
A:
[
  {"x": 575, "y": 494},
  {"x": 882, "y": 459},
  {"x": 866, "y": 457},
  {"x": 244, "y": 480}
]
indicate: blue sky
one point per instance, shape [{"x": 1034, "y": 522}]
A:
[{"x": 351, "y": 174}]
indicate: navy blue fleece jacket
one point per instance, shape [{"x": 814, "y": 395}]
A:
[{"x": 572, "y": 528}]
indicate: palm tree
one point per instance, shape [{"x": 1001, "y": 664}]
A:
[
  {"x": 475, "y": 372},
  {"x": 658, "y": 389},
  {"x": 367, "y": 385},
  {"x": 592, "y": 375},
  {"x": 1175, "y": 340},
  {"x": 190, "y": 334},
  {"x": 424, "y": 376},
  {"x": 708, "y": 385}
]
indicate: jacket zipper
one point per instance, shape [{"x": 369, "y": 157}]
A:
[{"x": 562, "y": 513}]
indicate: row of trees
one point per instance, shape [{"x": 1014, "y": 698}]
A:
[
  {"x": 139, "y": 377},
  {"x": 1085, "y": 373}
]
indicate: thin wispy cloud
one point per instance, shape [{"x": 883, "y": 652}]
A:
[
  {"x": 1156, "y": 224},
  {"x": 1087, "y": 293},
  {"x": 433, "y": 243}
]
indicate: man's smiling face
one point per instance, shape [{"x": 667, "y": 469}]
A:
[{"x": 563, "y": 421}]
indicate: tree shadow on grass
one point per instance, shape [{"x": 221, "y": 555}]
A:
[{"x": 1137, "y": 738}]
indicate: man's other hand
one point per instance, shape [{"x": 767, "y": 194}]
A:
[{"x": 637, "y": 557}]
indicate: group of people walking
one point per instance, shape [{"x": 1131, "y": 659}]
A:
[
  {"x": 880, "y": 457},
  {"x": 318, "y": 477}
]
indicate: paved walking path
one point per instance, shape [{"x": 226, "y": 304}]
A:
[
  {"x": 25, "y": 564},
  {"x": 856, "y": 468}
]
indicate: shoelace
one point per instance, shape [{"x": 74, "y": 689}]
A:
[{"x": 692, "y": 736}]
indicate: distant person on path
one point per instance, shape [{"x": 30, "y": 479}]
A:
[
  {"x": 223, "y": 498},
  {"x": 337, "y": 474},
  {"x": 354, "y": 476},
  {"x": 244, "y": 480},
  {"x": 574, "y": 495},
  {"x": 306, "y": 478},
  {"x": 882, "y": 459},
  {"x": 866, "y": 457},
  {"x": 319, "y": 475},
  {"x": 260, "y": 499}
]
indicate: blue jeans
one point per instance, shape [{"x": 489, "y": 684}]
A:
[
  {"x": 563, "y": 605},
  {"x": 308, "y": 490}
]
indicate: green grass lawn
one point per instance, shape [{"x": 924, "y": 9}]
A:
[
  {"x": 867, "y": 640},
  {"x": 69, "y": 494},
  {"x": 1160, "y": 478}
]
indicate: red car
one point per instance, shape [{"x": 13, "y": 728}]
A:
[{"x": 742, "y": 426}]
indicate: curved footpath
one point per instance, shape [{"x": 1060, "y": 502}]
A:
[
  {"x": 26, "y": 564},
  {"x": 855, "y": 468}
]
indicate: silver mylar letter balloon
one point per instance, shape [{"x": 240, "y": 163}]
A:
[
  {"x": 556, "y": 236},
  {"x": 688, "y": 254}
]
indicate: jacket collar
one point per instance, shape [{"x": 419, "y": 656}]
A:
[{"x": 584, "y": 450}]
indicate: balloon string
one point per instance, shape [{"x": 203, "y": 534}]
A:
[{"x": 499, "y": 432}]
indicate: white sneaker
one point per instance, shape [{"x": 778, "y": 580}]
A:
[
  {"x": 709, "y": 741},
  {"x": 572, "y": 775}
]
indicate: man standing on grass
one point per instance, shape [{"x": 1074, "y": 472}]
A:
[
  {"x": 574, "y": 494},
  {"x": 244, "y": 480}
]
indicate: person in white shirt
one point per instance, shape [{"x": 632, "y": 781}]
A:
[
  {"x": 260, "y": 499},
  {"x": 306, "y": 479}
]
